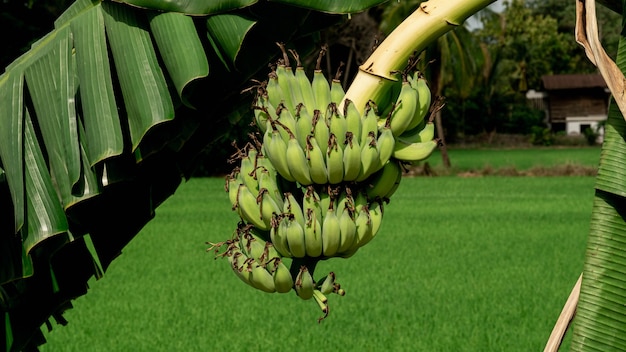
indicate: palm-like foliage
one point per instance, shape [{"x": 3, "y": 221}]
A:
[{"x": 101, "y": 121}]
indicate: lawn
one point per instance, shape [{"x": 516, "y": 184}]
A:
[{"x": 460, "y": 264}]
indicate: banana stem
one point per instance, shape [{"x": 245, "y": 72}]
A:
[{"x": 430, "y": 21}]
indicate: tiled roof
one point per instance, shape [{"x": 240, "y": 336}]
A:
[{"x": 572, "y": 81}]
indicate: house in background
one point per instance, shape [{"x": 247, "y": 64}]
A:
[{"x": 572, "y": 102}]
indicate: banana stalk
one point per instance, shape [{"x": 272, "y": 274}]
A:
[{"x": 430, "y": 21}]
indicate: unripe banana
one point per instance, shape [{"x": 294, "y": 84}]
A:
[
  {"x": 369, "y": 157},
  {"x": 304, "y": 84},
  {"x": 419, "y": 134},
  {"x": 322, "y": 302},
  {"x": 233, "y": 180},
  {"x": 420, "y": 84},
  {"x": 311, "y": 202},
  {"x": 376, "y": 218},
  {"x": 274, "y": 91},
  {"x": 331, "y": 233},
  {"x": 304, "y": 125},
  {"x": 384, "y": 180},
  {"x": 353, "y": 119},
  {"x": 334, "y": 160},
  {"x": 295, "y": 238},
  {"x": 347, "y": 227},
  {"x": 285, "y": 122},
  {"x": 247, "y": 169},
  {"x": 261, "y": 279},
  {"x": 261, "y": 111},
  {"x": 268, "y": 181},
  {"x": 239, "y": 262},
  {"x": 385, "y": 145},
  {"x": 248, "y": 209},
  {"x": 369, "y": 124},
  {"x": 316, "y": 161},
  {"x": 364, "y": 227},
  {"x": 286, "y": 81},
  {"x": 268, "y": 207},
  {"x": 298, "y": 163},
  {"x": 313, "y": 234},
  {"x": 304, "y": 284},
  {"x": 404, "y": 109},
  {"x": 327, "y": 286},
  {"x": 351, "y": 158},
  {"x": 275, "y": 148},
  {"x": 336, "y": 91},
  {"x": 321, "y": 90},
  {"x": 293, "y": 208},
  {"x": 337, "y": 124},
  {"x": 278, "y": 236},
  {"x": 414, "y": 151},
  {"x": 320, "y": 130},
  {"x": 283, "y": 281}
]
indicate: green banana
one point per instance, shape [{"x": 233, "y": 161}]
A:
[
  {"x": 419, "y": 134},
  {"x": 316, "y": 161},
  {"x": 248, "y": 209},
  {"x": 261, "y": 279},
  {"x": 233, "y": 180},
  {"x": 275, "y": 148},
  {"x": 336, "y": 91},
  {"x": 286, "y": 81},
  {"x": 293, "y": 208},
  {"x": 247, "y": 169},
  {"x": 385, "y": 144},
  {"x": 331, "y": 232},
  {"x": 327, "y": 286},
  {"x": 304, "y": 283},
  {"x": 322, "y": 302},
  {"x": 364, "y": 227},
  {"x": 277, "y": 236},
  {"x": 304, "y": 84},
  {"x": 268, "y": 207},
  {"x": 320, "y": 85},
  {"x": 376, "y": 217},
  {"x": 267, "y": 181},
  {"x": 369, "y": 124},
  {"x": 294, "y": 232},
  {"x": 285, "y": 122},
  {"x": 370, "y": 160},
  {"x": 321, "y": 131},
  {"x": 420, "y": 84},
  {"x": 313, "y": 234},
  {"x": 275, "y": 94},
  {"x": 283, "y": 281},
  {"x": 304, "y": 125},
  {"x": 353, "y": 119},
  {"x": 298, "y": 163},
  {"x": 403, "y": 111},
  {"x": 238, "y": 262},
  {"x": 413, "y": 152},
  {"x": 347, "y": 227},
  {"x": 384, "y": 180},
  {"x": 337, "y": 124},
  {"x": 334, "y": 160},
  {"x": 311, "y": 203},
  {"x": 351, "y": 158}
]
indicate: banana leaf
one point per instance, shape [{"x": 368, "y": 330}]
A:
[
  {"x": 101, "y": 121},
  {"x": 600, "y": 321}
]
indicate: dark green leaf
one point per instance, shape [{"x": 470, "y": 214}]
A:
[
  {"x": 103, "y": 133},
  {"x": 226, "y": 33},
  {"x": 180, "y": 48},
  {"x": 146, "y": 96},
  {"x": 195, "y": 7}
]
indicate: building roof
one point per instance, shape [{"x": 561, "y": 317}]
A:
[{"x": 572, "y": 81}]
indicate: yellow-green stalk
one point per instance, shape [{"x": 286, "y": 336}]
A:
[{"x": 430, "y": 21}]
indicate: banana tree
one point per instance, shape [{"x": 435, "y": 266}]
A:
[{"x": 102, "y": 119}]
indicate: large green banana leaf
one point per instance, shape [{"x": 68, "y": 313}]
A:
[
  {"x": 103, "y": 118},
  {"x": 600, "y": 322}
]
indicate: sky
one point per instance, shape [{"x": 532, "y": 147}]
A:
[{"x": 496, "y": 6}]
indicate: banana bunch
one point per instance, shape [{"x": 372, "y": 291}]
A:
[{"x": 312, "y": 183}]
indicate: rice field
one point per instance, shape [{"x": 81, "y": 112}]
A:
[{"x": 460, "y": 264}]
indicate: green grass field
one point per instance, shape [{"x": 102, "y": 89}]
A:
[{"x": 460, "y": 264}]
